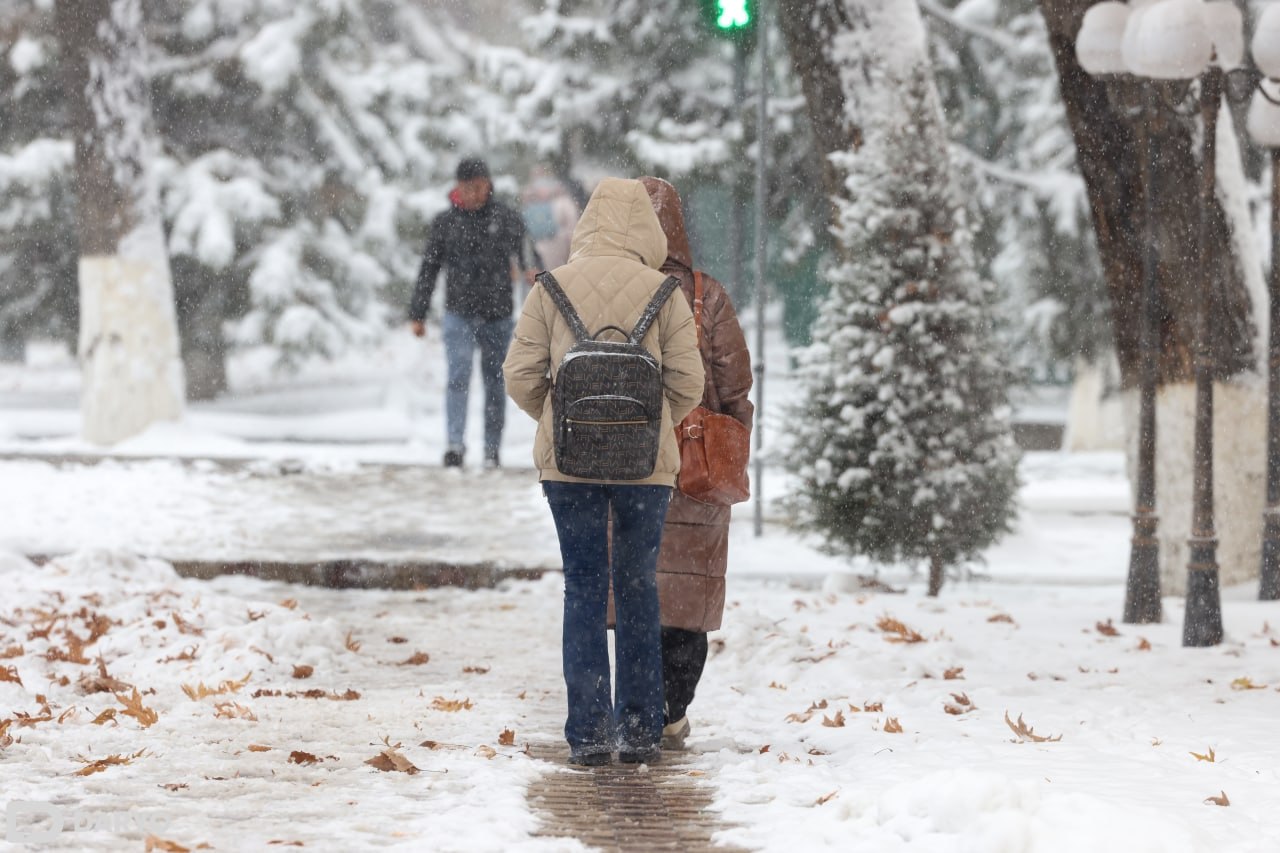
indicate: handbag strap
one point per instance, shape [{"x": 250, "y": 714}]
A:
[
  {"x": 697, "y": 304},
  {"x": 562, "y": 303}
]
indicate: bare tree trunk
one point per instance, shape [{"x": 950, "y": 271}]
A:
[
  {"x": 128, "y": 328},
  {"x": 1108, "y": 155},
  {"x": 937, "y": 574}
]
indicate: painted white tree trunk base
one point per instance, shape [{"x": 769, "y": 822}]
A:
[
  {"x": 129, "y": 352},
  {"x": 1095, "y": 413},
  {"x": 1239, "y": 445}
]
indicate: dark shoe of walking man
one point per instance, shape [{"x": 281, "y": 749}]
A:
[{"x": 475, "y": 242}]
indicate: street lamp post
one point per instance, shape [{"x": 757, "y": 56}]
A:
[
  {"x": 1180, "y": 40},
  {"x": 1099, "y": 50},
  {"x": 1264, "y": 127}
]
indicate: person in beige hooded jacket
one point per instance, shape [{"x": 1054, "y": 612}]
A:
[{"x": 611, "y": 276}]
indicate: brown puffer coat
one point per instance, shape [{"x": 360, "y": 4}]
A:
[
  {"x": 695, "y": 541},
  {"x": 611, "y": 276}
]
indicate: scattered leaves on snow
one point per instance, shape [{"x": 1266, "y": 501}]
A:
[
  {"x": 103, "y": 682},
  {"x": 1144, "y": 645},
  {"x": 1106, "y": 629},
  {"x": 1220, "y": 800},
  {"x": 962, "y": 704},
  {"x": 954, "y": 673},
  {"x": 826, "y": 798},
  {"x": 352, "y": 643},
  {"x": 507, "y": 738},
  {"x": 892, "y": 726},
  {"x": 1208, "y": 756},
  {"x": 836, "y": 722},
  {"x": 390, "y": 760},
  {"x": 302, "y": 670},
  {"x": 233, "y": 711},
  {"x": 10, "y": 674},
  {"x": 1245, "y": 683},
  {"x": 1002, "y": 617},
  {"x": 416, "y": 659},
  {"x": 442, "y": 704}
]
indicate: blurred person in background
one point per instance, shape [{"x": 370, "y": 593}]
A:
[{"x": 478, "y": 241}]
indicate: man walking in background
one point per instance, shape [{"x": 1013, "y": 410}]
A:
[{"x": 476, "y": 241}]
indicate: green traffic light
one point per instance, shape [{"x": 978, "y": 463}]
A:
[{"x": 734, "y": 14}]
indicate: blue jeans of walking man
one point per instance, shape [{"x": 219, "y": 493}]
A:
[
  {"x": 461, "y": 337},
  {"x": 599, "y": 722}
]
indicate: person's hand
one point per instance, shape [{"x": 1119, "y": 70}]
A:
[{"x": 419, "y": 328}]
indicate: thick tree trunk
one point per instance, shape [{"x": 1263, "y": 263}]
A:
[
  {"x": 1108, "y": 153},
  {"x": 128, "y": 328}
]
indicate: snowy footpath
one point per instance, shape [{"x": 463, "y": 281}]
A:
[
  {"x": 144, "y": 710},
  {"x": 247, "y": 715}
]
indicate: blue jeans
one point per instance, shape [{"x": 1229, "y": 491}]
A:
[
  {"x": 461, "y": 336},
  {"x": 581, "y": 512}
]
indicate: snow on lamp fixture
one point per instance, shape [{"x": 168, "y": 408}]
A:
[
  {"x": 1266, "y": 41},
  {"x": 1099, "y": 45},
  {"x": 1226, "y": 31},
  {"x": 1170, "y": 41},
  {"x": 1264, "y": 118}
]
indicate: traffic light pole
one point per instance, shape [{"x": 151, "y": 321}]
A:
[
  {"x": 762, "y": 150},
  {"x": 738, "y": 201}
]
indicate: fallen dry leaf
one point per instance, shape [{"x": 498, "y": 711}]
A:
[
  {"x": 954, "y": 673},
  {"x": 776, "y": 686},
  {"x": 133, "y": 707},
  {"x": 391, "y": 761},
  {"x": 1106, "y": 629},
  {"x": 892, "y": 726},
  {"x": 1246, "y": 684},
  {"x": 442, "y": 704},
  {"x": 233, "y": 711},
  {"x": 289, "y": 604},
  {"x": 189, "y": 653},
  {"x": 103, "y": 682},
  {"x": 107, "y": 716},
  {"x": 478, "y": 670},
  {"x": 155, "y": 842},
  {"x": 764, "y": 749},
  {"x": 835, "y": 723},
  {"x": 302, "y": 670},
  {"x": 416, "y": 659},
  {"x": 1220, "y": 800},
  {"x": 397, "y": 639},
  {"x": 257, "y": 747},
  {"x": 186, "y": 627},
  {"x": 1001, "y": 617},
  {"x": 101, "y": 764},
  {"x": 873, "y": 707},
  {"x": 1026, "y": 733},
  {"x": 486, "y": 751},
  {"x": 351, "y": 643},
  {"x": 297, "y": 756},
  {"x": 10, "y": 674},
  {"x": 202, "y": 690},
  {"x": 897, "y": 631},
  {"x": 962, "y": 704},
  {"x": 826, "y": 798},
  {"x": 12, "y": 652},
  {"x": 507, "y": 738},
  {"x": 1208, "y": 756}
]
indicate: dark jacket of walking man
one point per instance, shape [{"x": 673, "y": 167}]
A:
[{"x": 476, "y": 241}]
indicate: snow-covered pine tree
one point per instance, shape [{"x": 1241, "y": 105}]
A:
[
  {"x": 903, "y": 439},
  {"x": 38, "y": 290},
  {"x": 1015, "y": 154}
]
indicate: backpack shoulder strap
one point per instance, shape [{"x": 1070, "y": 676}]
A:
[
  {"x": 557, "y": 294},
  {"x": 651, "y": 310},
  {"x": 697, "y": 304}
]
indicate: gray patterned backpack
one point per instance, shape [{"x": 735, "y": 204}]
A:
[{"x": 606, "y": 402}]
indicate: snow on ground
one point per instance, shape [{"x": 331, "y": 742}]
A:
[
  {"x": 791, "y": 726},
  {"x": 1122, "y": 778}
]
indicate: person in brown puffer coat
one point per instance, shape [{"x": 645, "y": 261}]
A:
[{"x": 695, "y": 537}]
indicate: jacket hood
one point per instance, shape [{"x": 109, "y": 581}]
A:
[
  {"x": 666, "y": 204},
  {"x": 619, "y": 221}
]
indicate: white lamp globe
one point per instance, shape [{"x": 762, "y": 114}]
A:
[
  {"x": 1226, "y": 31},
  {"x": 1098, "y": 46},
  {"x": 1266, "y": 41},
  {"x": 1138, "y": 10},
  {"x": 1172, "y": 41},
  {"x": 1264, "y": 119}
]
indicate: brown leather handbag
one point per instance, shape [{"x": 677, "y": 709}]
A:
[{"x": 714, "y": 448}]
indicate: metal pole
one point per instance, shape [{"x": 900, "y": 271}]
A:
[
  {"x": 1269, "y": 586},
  {"x": 762, "y": 136},
  {"x": 1203, "y": 622},
  {"x": 1142, "y": 592},
  {"x": 737, "y": 200}
]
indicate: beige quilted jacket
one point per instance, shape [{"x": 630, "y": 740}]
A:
[{"x": 612, "y": 274}]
